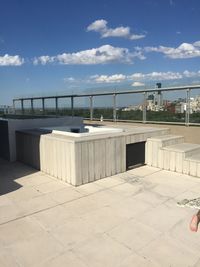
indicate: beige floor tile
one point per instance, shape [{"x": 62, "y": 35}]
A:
[
  {"x": 51, "y": 186},
  {"x": 124, "y": 176},
  {"x": 144, "y": 171},
  {"x": 196, "y": 188},
  {"x": 35, "y": 205},
  {"x": 134, "y": 235},
  {"x": 65, "y": 195},
  {"x": 127, "y": 189},
  {"x": 34, "y": 179},
  {"x": 71, "y": 233},
  {"x": 92, "y": 202},
  {"x": 52, "y": 218},
  {"x": 23, "y": 194},
  {"x": 109, "y": 182},
  {"x": 7, "y": 260},
  {"x": 168, "y": 191},
  {"x": 152, "y": 198},
  {"x": 102, "y": 251},
  {"x": 117, "y": 223},
  {"x": 5, "y": 201},
  {"x": 89, "y": 188},
  {"x": 187, "y": 195},
  {"x": 8, "y": 213},
  {"x": 81, "y": 206},
  {"x": 18, "y": 230},
  {"x": 35, "y": 250},
  {"x": 182, "y": 233},
  {"x": 167, "y": 252},
  {"x": 138, "y": 261},
  {"x": 130, "y": 208},
  {"x": 105, "y": 198},
  {"x": 162, "y": 217},
  {"x": 102, "y": 220},
  {"x": 197, "y": 264},
  {"x": 67, "y": 259},
  {"x": 168, "y": 178}
]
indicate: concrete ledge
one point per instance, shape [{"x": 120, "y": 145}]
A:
[{"x": 154, "y": 152}]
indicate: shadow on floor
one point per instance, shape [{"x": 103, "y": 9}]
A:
[{"x": 9, "y": 173}]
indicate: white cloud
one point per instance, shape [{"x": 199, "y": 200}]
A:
[
  {"x": 135, "y": 84},
  {"x": 124, "y": 32},
  {"x": 196, "y": 43},
  {"x": 69, "y": 79},
  {"x": 116, "y": 78},
  {"x": 101, "y": 55},
  {"x": 156, "y": 76},
  {"x": 97, "y": 25},
  {"x": 43, "y": 60},
  {"x": 8, "y": 60},
  {"x": 185, "y": 50},
  {"x": 190, "y": 74},
  {"x": 139, "y": 78}
]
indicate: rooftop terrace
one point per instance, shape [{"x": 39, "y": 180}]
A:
[{"x": 130, "y": 219}]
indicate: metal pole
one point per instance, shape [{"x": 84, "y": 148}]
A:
[
  {"x": 72, "y": 106},
  {"x": 56, "y": 102},
  {"x": 43, "y": 106},
  {"x": 32, "y": 109},
  {"x": 114, "y": 108},
  {"x": 187, "y": 112},
  {"x": 14, "y": 109},
  {"x": 22, "y": 106},
  {"x": 144, "y": 119},
  {"x": 91, "y": 108}
]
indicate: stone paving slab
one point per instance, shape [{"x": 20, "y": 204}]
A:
[{"x": 130, "y": 219}]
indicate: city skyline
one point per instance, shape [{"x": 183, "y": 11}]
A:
[{"x": 48, "y": 47}]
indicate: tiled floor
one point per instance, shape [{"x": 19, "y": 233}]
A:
[{"x": 130, "y": 219}]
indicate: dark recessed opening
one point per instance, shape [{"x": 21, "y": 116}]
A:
[
  {"x": 135, "y": 155},
  {"x": 75, "y": 130}
]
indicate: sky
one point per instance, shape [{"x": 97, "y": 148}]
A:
[{"x": 69, "y": 46}]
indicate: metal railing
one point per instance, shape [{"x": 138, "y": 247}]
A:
[{"x": 114, "y": 94}]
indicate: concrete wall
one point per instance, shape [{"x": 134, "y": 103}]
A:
[
  {"x": 76, "y": 162},
  {"x": 16, "y": 125},
  {"x": 28, "y": 149},
  {"x": 4, "y": 140},
  {"x": 57, "y": 158},
  {"x": 79, "y": 160}
]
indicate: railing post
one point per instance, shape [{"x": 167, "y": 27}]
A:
[
  {"x": 72, "y": 106},
  {"x": 187, "y": 112},
  {"x": 56, "y": 104},
  {"x": 91, "y": 107},
  {"x": 32, "y": 109},
  {"x": 144, "y": 117},
  {"x": 43, "y": 106},
  {"x": 14, "y": 109},
  {"x": 22, "y": 106},
  {"x": 114, "y": 108}
]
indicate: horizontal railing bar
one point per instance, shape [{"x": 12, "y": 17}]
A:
[{"x": 111, "y": 93}]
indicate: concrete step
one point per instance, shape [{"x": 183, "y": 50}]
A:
[
  {"x": 195, "y": 157},
  {"x": 187, "y": 148},
  {"x": 175, "y": 157},
  {"x": 168, "y": 139},
  {"x": 191, "y": 165},
  {"x": 154, "y": 154}
]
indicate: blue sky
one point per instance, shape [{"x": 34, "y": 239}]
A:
[{"x": 68, "y": 46}]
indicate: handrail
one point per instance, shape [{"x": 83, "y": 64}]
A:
[
  {"x": 178, "y": 88},
  {"x": 187, "y": 88}
]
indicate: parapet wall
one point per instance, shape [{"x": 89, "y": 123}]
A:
[{"x": 14, "y": 125}]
